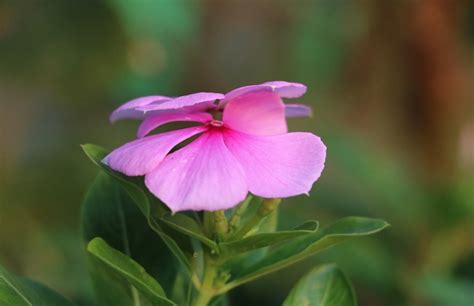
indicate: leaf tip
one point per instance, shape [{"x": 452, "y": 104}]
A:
[{"x": 94, "y": 243}]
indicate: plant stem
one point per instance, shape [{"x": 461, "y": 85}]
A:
[
  {"x": 215, "y": 224},
  {"x": 220, "y": 224},
  {"x": 207, "y": 291}
]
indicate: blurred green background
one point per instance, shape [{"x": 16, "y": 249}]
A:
[{"x": 391, "y": 84}]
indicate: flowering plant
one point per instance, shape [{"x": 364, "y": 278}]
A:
[{"x": 184, "y": 216}]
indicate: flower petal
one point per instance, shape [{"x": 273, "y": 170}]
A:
[
  {"x": 141, "y": 156},
  {"x": 282, "y": 88},
  {"x": 297, "y": 110},
  {"x": 129, "y": 110},
  {"x": 287, "y": 89},
  {"x": 152, "y": 122},
  {"x": 278, "y": 166},
  {"x": 257, "y": 113},
  {"x": 204, "y": 175},
  {"x": 206, "y": 98}
]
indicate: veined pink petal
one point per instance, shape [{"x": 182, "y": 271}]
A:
[
  {"x": 141, "y": 156},
  {"x": 297, "y": 110},
  {"x": 184, "y": 101},
  {"x": 153, "y": 121},
  {"x": 204, "y": 175},
  {"x": 282, "y": 88},
  {"x": 278, "y": 166},
  {"x": 257, "y": 113},
  {"x": 129, "y": 109}
]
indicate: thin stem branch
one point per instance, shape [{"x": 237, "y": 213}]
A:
[
  {"x": 238, "y": 212},
  {"x": 266, "y": 208}
]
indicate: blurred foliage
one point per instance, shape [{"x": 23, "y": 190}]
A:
[{"x": 391, "y": 87}]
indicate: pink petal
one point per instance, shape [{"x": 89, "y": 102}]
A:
[
  {"x": 282, "y": 88},
  {"x": 201, "y": 176},
  {"x": 141, "y": 156},
  {"x": 297, "y": 110},
  {"x": 206, "y": 98},
  {"x": 278, "y": 166},
  {"x": 152, "y": 122},
  {"x": 287, "y": 89},
  {"x": 258, "y": 113},
  {"x": 129, "y": 109}
]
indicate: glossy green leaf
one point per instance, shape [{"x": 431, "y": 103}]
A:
[
  {"x": 325, "y": 285},
  {"x": 19, "y": 291},
  {"x": 298, "y": 249},
  {"x": 262, "y": 240},
  {"x": 134, "y": 188},
  {"x": 110, "y": 213},
  {"x": 130, "y": 273}
]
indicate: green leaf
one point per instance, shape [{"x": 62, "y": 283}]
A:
[
  {"x": 130, "y": 273},
  {"x": 267, "y": 239},
  {"x": 109, "y": 212},
  {"x": 325, "y": 285},
  {"x": 19, "y": 291},
  {"x": 188, "y": 226},
  {"x": 134, "y": 188},
  {"x": 298, "y": 249}
]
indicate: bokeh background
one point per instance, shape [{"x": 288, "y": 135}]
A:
[{"x": 392, "y": 88}]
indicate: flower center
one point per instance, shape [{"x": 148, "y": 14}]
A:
[{"x": 216, "y": 123}]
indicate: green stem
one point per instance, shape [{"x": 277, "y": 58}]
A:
[
  {"x": 207, "y": 290},
  {"x": 220, "y": 224},
  {"x": 215, "y": 224}
]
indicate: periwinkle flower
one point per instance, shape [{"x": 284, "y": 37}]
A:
[{"x": 249, "y": 149}]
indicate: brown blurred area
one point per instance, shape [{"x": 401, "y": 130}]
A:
[
  {"x": 390, "y": 82},
  {"x": 422, "y": 60}
]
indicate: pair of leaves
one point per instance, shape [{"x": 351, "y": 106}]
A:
[
  {"x": 301, "y": 248},
  {"x": 21, "y": 291},
  {"x": 325, "y": 285}
]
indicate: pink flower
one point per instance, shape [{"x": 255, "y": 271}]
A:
[{"x": 249, "y": 150}]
